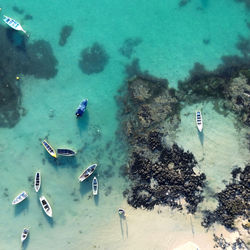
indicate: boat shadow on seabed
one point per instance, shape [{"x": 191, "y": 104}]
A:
[
  {"x": 23, "y": 206},
  {"x": 25, "y": 243},
  {"x": 201, "y": 137},
  {"x": 124, "y": 226},
  {"x": 83, "y": 122}
]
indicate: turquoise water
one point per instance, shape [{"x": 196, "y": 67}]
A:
[{"x": 172, "y": 41}]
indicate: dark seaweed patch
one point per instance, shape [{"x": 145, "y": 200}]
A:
[
  {"x": 129, "y": 45},
  {"x": 18, "y": 10},
  {"x": 183, "y": 3},
  {"x": 93, "y": 59},
  {"x": 65, "y": 33},
  {"x": 18, "y": 56}
]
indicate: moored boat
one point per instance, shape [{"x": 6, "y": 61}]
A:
[
  {"x": 95, "y": 186},
  {"x": 49, "y": 149},
  {"x": 13, "y": 23},
  {"x": 121, "y": 212},
  {"x": 198, "y": 118},
  {"x": 65, "y": 152},
  {"x": 24, "y": 234},
  {"x": 87, "y": 172},
  {"x": 46, "y": 206},
  {"x": 22, "y": 196},
  {"x": 81, "y": 108},
  {"x": 37, "y": 181}
]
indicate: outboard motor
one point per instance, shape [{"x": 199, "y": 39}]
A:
[{"x": 81, "y": 108}]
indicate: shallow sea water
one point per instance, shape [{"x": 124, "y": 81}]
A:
[{"x": 172, "y": 41}]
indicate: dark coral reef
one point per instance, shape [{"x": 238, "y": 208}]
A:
[
  {"x": 93, "y": 59},
  {"x": 19, "y": 57},
  {"x": 233, "y": 201},
  {"x": 230, "y": 83},
  {"x": 160, "y": 173}
]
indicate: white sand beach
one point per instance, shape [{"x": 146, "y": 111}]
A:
[{"x": 161, "y": 228}]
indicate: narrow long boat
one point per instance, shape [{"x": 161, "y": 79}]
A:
[
  {"x": 46, "y": 206},
  {"x": 87, "y": 172},
  {"x": 95, "y": 186},
  {"x": 198, "y": 118},
  {"x": 13, "y": 23},
  {"x": 49, "y": 149},
  {"x": 37, "y": 181},
  {"x": 22, "y": 196},
  {"x": 65, "y": 152},
  {"x": 24, "y": 234}
]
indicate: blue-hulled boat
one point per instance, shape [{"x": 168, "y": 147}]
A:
[{"x": 81, "y": 108}]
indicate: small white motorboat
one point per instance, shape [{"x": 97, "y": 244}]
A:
[
  {"x": 13, "y": 23},
  {"x": 87, "y": 172},
  {"x": 95, "y": 186},
  {"x": 121, "y": 212},
  {"x": 46, "y": 206},
  {"x": 24, "y": 234},
  {"x": 22, "y": 196},
  {"x": 198, "y": 118},
  {"x": 37, "y": 181}
]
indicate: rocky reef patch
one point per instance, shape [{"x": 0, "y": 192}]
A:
[
  {"x": 229, "y": 83},
  {"x": 160, "y": 173},
  {"x": 233, "y": 201},
  {"x": 93, "y": 59},
  {"x": 20, "y": 57}
]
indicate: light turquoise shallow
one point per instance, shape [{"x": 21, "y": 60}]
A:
[{"x": 172, "y": 41}]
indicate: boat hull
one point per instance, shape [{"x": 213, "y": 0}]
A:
[
  {"x": 13, "y": 23},
  {"x": 65, "y": 152},
  {"x": 21, "y": 197},
  {"x": 49, "y": 149},
  {"x": 199, "y": 123},
  {"x": 37, "y": 181},
  {"x": 95, "y": 186},
  {"x": 46, "y": 206},
  {"x": 24, "y": 234},
  {"x": 87, "y": 172}
]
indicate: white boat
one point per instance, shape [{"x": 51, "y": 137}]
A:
[
  {"x": 198, "y": 118},
  {"x": 95, "y": 186},
  {"x": 24, "y": 234},
  {"x": 37, "y": 181},
  {"x": 121, "y": 212},
  {"x": 13, "y": 23},
  {"x": 22, "y": 196},
  {"x": 46, "y": 206},
  {"x": 87, "y": 172}
]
